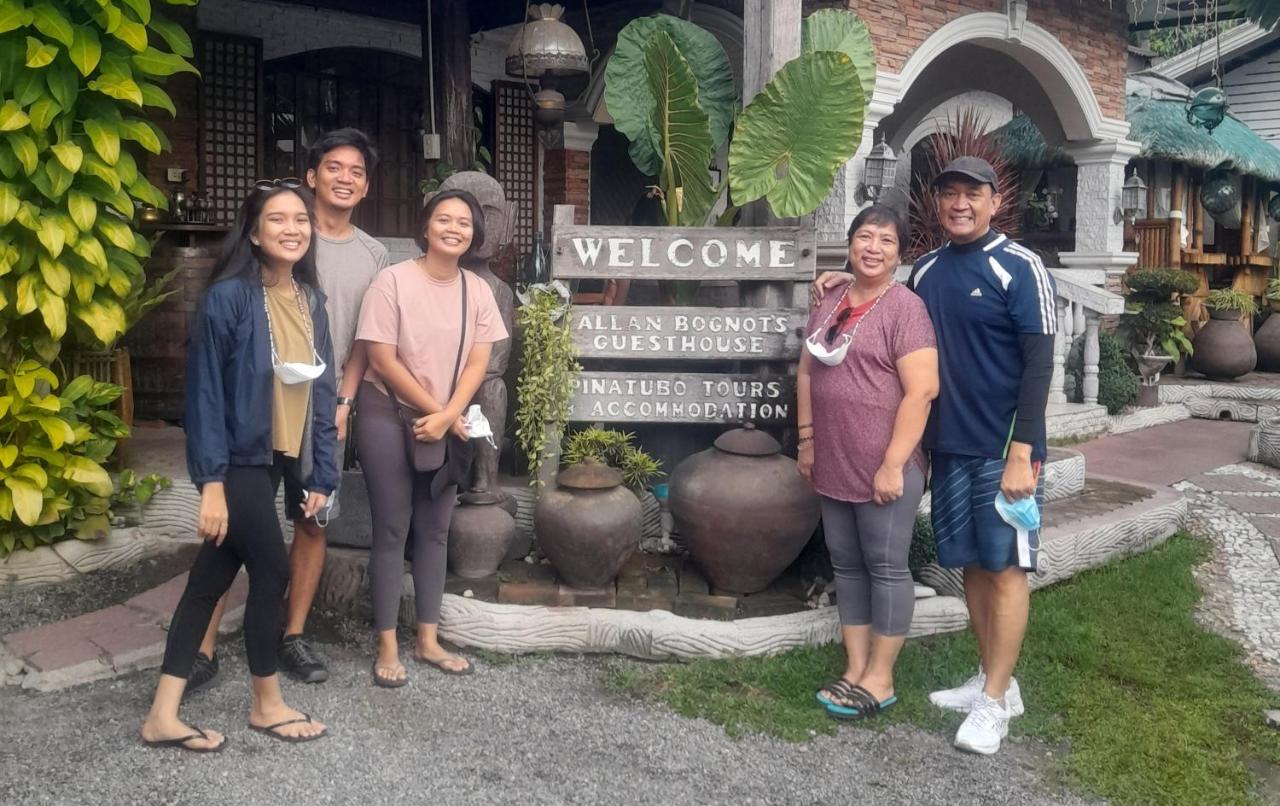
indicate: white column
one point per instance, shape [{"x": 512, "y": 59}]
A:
[
  {"x": 1099, "y": 180},
  {"x": 1061, "y": 343},
  {"x": 1091, "y": 352}
]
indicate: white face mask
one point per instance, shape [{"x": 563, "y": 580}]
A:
[
  {"x": 291, "y": 372},
  {"x": 819, "y": 351},
  {"x": 478, "y": 425}
]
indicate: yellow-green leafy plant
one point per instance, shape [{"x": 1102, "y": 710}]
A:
[
  {"x": 549, "y": 366},
  {"x": 618, "y": 450},
  {"x": 78, "y": 79}
]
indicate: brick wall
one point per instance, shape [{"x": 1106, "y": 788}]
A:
[
  {"x": 566, "y": 179},
  {"x": 1095, "y": 31}
]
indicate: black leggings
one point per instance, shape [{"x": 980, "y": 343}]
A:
[{"x": 253, "y": 540}]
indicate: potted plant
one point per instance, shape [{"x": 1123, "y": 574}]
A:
[
  {"x": 616, "y": 449},
  {"x": 1267, "y": 340},
  {"x": 1154, "y": 325},
  {"x": 548, "y": 366},
  {"x": 1224, "y": 350}
]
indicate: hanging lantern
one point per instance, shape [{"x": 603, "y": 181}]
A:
[
  {"x": 1218, "y": 194},
  {"x": 545, "y": 47},
  {"x": 548, "y": 107},
  {"x": 1207, "y": 108},
  {"x": 879, "y": 169},
  {"x": 1273, "y": 208},
  {"x": 1133, "y": 198}
]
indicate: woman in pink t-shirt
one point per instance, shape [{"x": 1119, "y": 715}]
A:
[
  {"x": 420, "y": 351},
  {"x": 867, "y": 377}
]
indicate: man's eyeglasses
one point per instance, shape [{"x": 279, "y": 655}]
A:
[
  {"x": 288, "y": 182},
  {"x": 834, "y": 330}
]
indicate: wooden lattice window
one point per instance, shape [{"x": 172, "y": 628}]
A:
[
  {"x": 230, "y": 104},
  {"x": 515, "y": 156}
]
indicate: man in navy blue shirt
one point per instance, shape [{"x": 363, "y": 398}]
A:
[{"x": 992, "y": 305}]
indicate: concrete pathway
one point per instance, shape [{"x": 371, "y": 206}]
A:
[{"x": 1169, "y": 453}]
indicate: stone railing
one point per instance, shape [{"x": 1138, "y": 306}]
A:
[{"x": 1081, "y": 303}]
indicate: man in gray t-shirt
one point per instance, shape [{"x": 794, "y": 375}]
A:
[{"x": 347, "y": 258}]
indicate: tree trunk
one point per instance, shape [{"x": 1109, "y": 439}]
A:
[{"x": 449, "y": 43}]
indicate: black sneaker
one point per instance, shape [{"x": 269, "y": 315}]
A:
[
  {"x": 301, "y": 661},
  {"x": 203, "y": 671}
]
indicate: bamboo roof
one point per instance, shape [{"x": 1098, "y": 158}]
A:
[{"x": 1155, "y": 107}]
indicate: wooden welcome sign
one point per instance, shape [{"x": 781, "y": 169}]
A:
[{"x": 777, "y": 254}]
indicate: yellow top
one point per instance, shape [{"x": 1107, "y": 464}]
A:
[{"x": 291, "y": 330}]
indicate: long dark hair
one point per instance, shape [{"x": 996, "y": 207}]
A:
[
  {"x": 242, "y": 258},
  {"x": 477, "y": 220}
]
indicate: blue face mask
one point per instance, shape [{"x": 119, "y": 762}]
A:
[{"x": 1024, "y": 516}]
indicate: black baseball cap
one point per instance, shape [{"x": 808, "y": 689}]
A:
[{"x": 975, "y": 168}]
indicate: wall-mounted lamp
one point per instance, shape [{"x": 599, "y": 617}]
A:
[
  {"x": 1133, "y": 200},
  {"x": 877, "y": 173}
]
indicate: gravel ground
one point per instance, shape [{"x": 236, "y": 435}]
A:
[
  {"x": 531, "y": 731},
  {"x": 21, "y": 609}
]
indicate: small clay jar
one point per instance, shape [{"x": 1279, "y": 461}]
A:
[
  {"x": 479, "y": 535},
  {"x": 743, "y": 509},
  {"x": 588, "y": 524}
]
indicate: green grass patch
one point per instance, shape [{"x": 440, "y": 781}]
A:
[{"x": 1153, "y": 708}]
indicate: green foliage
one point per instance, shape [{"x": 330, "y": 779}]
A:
[
  {"x": 77, "y": 79},
  {"x": 52, "y": 447},
  {"x": 1117, "y": 382},
  {"x": 924, "y": 550},
  {"x": 1153, "y": 321},
  {"x": 1229, "y": 299},
  {"x": 1150, "y": 706},
  {"x": 135, "y": 490},
  {"x": 1273, "y": 289},
  {"x": 549, "y": 366},
  {"x": 618, "y": 450},
  {"x": 670, "y": 91}
]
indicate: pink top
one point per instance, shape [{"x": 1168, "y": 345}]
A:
[
  {"x": 856, "y": 402},
  {"x": 404, "y": 306}
]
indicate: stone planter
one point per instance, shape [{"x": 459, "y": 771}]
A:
[
  {"x": 1223, "y": 349},
  {"x": 480, "y": 534},
  {"x": 1150, "y": 365},
  {"x": 743, "y": 510},
  {"x": 588, "y": 525},
  {"x": 1267, "y": 342}
]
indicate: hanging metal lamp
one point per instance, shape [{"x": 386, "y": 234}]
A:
[
  {"x": 546, "y": 47},
  {"x": 1207, "y": 108}
]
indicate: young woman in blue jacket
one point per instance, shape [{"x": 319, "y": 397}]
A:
[{"x": 260, "y": 403}]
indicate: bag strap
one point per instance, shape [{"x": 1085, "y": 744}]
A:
[{"x": 462, "y": 341}]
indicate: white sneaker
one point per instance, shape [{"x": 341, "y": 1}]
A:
[
  {"x": 985, "y": 726},
  {"x": 961, "y": 698}
]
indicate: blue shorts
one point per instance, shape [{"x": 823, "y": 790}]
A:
[{"x": 966, "y": 526}]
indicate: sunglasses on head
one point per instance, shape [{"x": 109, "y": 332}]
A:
[
  {"x": 834, "y": 330},
  {"x": 288, "y": 182}
]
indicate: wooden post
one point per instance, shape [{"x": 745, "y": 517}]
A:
[
  {"x": 1247, "y": 193},
  {"x": 1176, "y": 222},
  {"x": 446, "y": 36},
  {"x": 771, "y": 38},
  {"x": 1151, "y": 188},
  {"x": 1197, "y": 209}
]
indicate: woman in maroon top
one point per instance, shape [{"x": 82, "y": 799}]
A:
[{"x": 867, "y": 377}]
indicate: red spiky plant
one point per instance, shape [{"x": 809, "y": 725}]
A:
[{"x": 964, "y": 133}]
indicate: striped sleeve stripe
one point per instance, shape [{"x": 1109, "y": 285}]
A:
[
  {"x": 1044, "y": 286},
  {"x": 925, "y": 262}
]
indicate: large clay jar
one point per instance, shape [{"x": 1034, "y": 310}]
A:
[
  {"x": 479, "y": 535},
  {"x": 1223, "y": 349},
  {"x": 743, "y": 509},
  {"x": 1267, "y": 342},
  {"x": 588, "y": 525}
]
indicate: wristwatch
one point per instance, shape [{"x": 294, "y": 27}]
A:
[{"x": 347, "y": 401}]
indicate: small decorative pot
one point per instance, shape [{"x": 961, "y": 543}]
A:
[
  {"x": 588, "y": 525},
  {"x": 743, "y": 510},
  {"x": 1223, "y": 348},
  {"x": 480, "y": 533}
]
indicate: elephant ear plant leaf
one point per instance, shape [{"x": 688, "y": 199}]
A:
[
  {"x": 843, "y": 31},
  {"x": 684, "y": 136},
  {"x": 796, "y": 134},
  {"x": 629, "y": 96}
]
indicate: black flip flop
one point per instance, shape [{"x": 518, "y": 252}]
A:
[
  {"x": 181, "y": 744},
  {"x": 270, "y": 730},
  {"x": 437, "y": 665},
  {"x": 864, "y": 705},
  {"x": 381, "y": 681}
]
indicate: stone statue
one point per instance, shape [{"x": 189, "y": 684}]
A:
[{"x": 499, "y": 226}]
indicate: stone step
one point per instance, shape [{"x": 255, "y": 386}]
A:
[{"x": 1110, "y": 519}]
